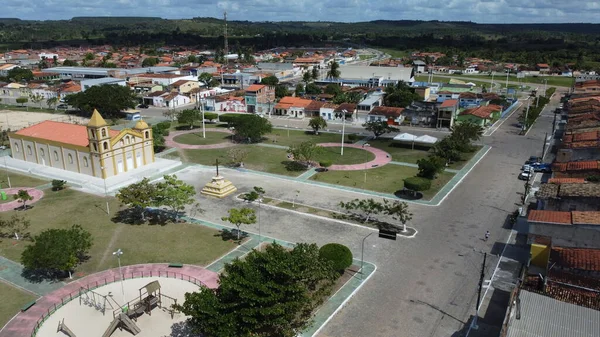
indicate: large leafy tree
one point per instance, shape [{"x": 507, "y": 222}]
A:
[
  {"x": 312, "y": 89},
  {"x": 397, "y": 210},
  {"x": 362, "y": 209},
  {"x": 281, "y": 90},
  {"x": 400, "y": 95},
  {"x": 305, "y": 152},
  {"x": 333, "y": 89},
  {"x": 174, "y": 193},
  {"x": 18, "y": 74},
  {"x": 465, "y": 133},
  {"x": 270, "y": 293},
  {"x": 307, "y": 77},
  {"x": 251, "y": 128},
  {"x": 138, "y": 196},
  {"x": 110, "y": 100},
  {"x": 379, "y": 128},
  {"x": 150, "y": 62},
  {"x": 239, "y": 217},
  {"x": 334, "y": 70},
  {"x": 429, "y": 167},
  {"x": 447, "y": 148},
  {"x": 205, "y": 77},
  {"x": 57, "y": 250},
  {"x": 23, "y": 197},
  {"x": 317, "y": 123},
  {"x": 270, "y": 80},
  {"x": 189, "y": 117}
]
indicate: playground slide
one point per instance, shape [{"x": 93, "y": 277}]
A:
[
  {"x": 62, "y": 327},
  {"x": 112, "y": 327},
  {"x": 128, "y": 323}
]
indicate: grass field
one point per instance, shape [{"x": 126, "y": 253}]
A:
[
  {"x": 19, "y": 180},
  {"x": 439, "y": 79},
  {"x": 12, "y": 301},
  {"x": 401, "y": 153},
  {"x": 351, "y": 156},
  {"x": 260, "y": 158},
  {"x": 197, "y": 139},
  {"x": 385, "y": 179},
  {"x": 552, "y": 80},
  {"x": 182, "y": 243},
  {"x": 285, "y": 137},
  {"x": 393, "y": 52},
  {"x": 366, "y": 57}
]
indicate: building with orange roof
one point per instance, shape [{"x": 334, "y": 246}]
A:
[
  {"x": 481, "y": 115},
  {"x": 260, "y": 98},
  {"x": 292, "y": 106},
  {"x": 93, "y": 149}
]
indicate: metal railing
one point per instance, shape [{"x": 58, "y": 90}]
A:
[{"x": 133, "y": 275}]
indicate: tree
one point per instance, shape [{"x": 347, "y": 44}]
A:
[
  {"x": 299, "y": 89},
  {"x": 379, "y": 128},
  {"x": 174, "y": 193},
  {"x": 446, "y": 148},
  {"x": 270, "y": 80},
  {"x": 305, "y": 152},
  {"x": 339, "y": 255},
  {"x": 22, "y": 100},
  {"x": 111, "y": 100},
  {"x": 16, "y": 226},
  {"x": 281, "y": 90},
  {"x": 269, "y": 293},
  {"x": 315, "y": 73},
  {"x": 139, "y": 196},
  {"x": 89, "y": 57},
  {"x": 70, "y": 63},
  {"x": 52, "y": 102},
  {"x": 189, "y": 117},
  {"x": 312, "y": 89},
  {"x": 317, "y": 123},
  {"x": 237, "y": 156},
  {"x": 242, "y": 216},
  {"x": 398, "y": 210},
  {"x": 333, "y": 89},
  {"x": 205, "y": 78},
  {"x": 150, "y": 62},
  {"x": 400, "y": 95},
  {"x": 417, "y": 184},
  {"x": 57, "y": 250},
  {"x": 362, "y": 209},
  {"x": 251, "y": 128},
  {"x": 334, "y": 70},
  {"x": 465, "y": 133},
  {"x": 23, "y": 196},
  {"x": 430, "y": 167},
  {"x": 37, "y": 99},
  {"x": 19, "y": 74},
  {"x": 58, "y": 185},
  {"x": 307, "y": 77}
]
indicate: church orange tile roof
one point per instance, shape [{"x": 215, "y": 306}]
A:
[{"x": 65, "y": 133}]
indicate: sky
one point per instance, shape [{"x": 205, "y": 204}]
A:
[{"x": 480, "y": 11}]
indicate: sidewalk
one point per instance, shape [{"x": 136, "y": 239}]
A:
[{"x": 12, "y": 273}]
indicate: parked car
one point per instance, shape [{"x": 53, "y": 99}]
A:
[
  {"x": 527, "y": 167},
  {"x": 143, "y": 106},
  {"x": 533, "y": 160},
  {"x": 525, "y": 175},
  {"x": 542, "y": 167},
  {"x": 62, "y": 106}
]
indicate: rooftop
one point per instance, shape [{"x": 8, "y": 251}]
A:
[
  {"x": 564, "y": 218},
  {"x": 482, "y": 111},
  {"x": 449, "y": 103},
  {"x": 387, "y": 111},
  {"x": 559, "y": 181},
  {"x": 576, "y": 166},
  {"x": 65, "y": 133},
  {"x": 255, "y": 87},
  {"x": 576, "y": 258}
]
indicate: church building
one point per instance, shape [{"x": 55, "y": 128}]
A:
[{"x": 93, "y": 149}]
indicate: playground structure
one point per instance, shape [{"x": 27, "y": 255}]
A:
[
  {"x": 63, "y": 328},
  {"x": 96, "y": 300},
  {"x": 150, "y": 296}
]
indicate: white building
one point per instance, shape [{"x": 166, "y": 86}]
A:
[{"x": 86, "y": 84}]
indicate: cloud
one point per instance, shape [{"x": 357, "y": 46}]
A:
[{"x": 481, "y": 11}]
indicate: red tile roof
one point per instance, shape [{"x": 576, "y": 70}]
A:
[
  {"x": 585, "y": 218},
  {"x": 387, "y": 111},
  {"x": 349, "y": 107},
  {"x": 482, "y": 111},
  {"x": 289, "y": 101},
  {"x": 559, "y": 181},
  {"x": 576, "y": 166},
  {"x": 65, "y": 133},
  {"x": 255, "y": 87},
  {"x": 449, "y": 103},
  {"x": 576, "y": 258},
  {"x": 553, "y": 217}
]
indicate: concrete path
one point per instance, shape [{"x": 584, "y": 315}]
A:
[
  {"x": 11, "y": 272},
  {"x": 381, "y": 158},
  {"x": 169, "y": 142},
  {"x": 9, "y": 206},
  {"x": 24, "y": 323}
]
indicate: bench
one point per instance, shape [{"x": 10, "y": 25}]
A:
[
  {"x": 28, "y": 305},
  {"x": 175, "y": 265}
]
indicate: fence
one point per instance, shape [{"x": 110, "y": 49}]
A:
[
  {"x": 75, "y": 294},
  {"x": 510, "y": 108}
]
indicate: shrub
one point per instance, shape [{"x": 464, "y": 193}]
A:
[
  {"x": 417, "y": 184},
  {"x": 353, "y": 138},
  {"x": 429, "y": 167},
  {"x": 230, "y": 119},
  {"x": 325, "y": 163},
  {"x": 338, "y": 254},
  {"x": 166, "y": 125},
  {"x": 593, "y": 179},
  {"x": 58, "y": 185},
  {"x": 209, "y": 116}
]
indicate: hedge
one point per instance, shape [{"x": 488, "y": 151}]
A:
[
  {"x": 417, "y": 184},
  {"x": 325, "y": 163},
  {"x": 338, "y": 254}
]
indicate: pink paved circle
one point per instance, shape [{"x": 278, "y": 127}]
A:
[
  {"x": 9, "y": 206},
  {"x": 24, "y": 322},
  {"x": 381, "y": 158},
  {"x": 170, "y": 142}
]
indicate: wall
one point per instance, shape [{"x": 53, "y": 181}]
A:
[
  {"x": 568, "y": 235},
  {"x": 539, "y": 255}
]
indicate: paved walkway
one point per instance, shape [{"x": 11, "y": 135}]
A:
[
  {"x": 11, "y": 272},
  {"x": 9, "y": 206},
  {"x": 24, "y": 323},
  {"x": 169, "y": 142},
  {"x": 381, "y": 158}
]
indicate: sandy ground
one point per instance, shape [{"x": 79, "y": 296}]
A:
[
  {"x": 16, "y": 120},
  {"x": 85, "y": 320}
]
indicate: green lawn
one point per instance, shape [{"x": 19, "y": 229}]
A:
[
  {"x": 552, "y": 80},
  {"x": 184, "y": 243},
  {"x": 260, "y": 158},
  {"x": 465, "y": 159},
  {"x": 366, "y": 57},
  {"x": 399, "y": 152},
  {"x": 197, "y": 139},
  {"x": 438, "y": 79},
  {"x": 393, "y": 52},
  {"x": 31, "y": 109},
  {"x": 12, "y": 301},
  {"x": 351, "y": 156},
  {"x": 290, "y": 137},
  {"x": 385, "y": 179},
  {"x": 19, "y": 180}
]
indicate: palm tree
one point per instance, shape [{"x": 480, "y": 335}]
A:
[
  {"x": 51, "y": 102},
  {"x": 334, "y": 70}
]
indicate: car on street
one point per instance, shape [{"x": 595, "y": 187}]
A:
[
  {"x": 527, "y": 167},
  {"x": 62, "y": 106},
  {"x": 143, "y": 106},
  {"x": 541, "y": 167},
  {"x": 533, "y": 160},
  {"x": 526, "y": 175}
]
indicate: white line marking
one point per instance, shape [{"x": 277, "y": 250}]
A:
[{"x": 504, "y": 120}]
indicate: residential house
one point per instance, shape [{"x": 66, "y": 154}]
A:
[
  {"x": 327, "y": 111},
  {"x": 185, "y": 86},
  {"x": 260, "y": 98},
  {"x": 482, "y": 115},
  {"x": 577, "y": 229},
  {"x": 347, "y": 109},
  {"x": 230, "y": 104},
  {"x": 469, "y": 99},
  {"x": 444, "y": 95},
  {"x": 392, "y": 115},
  {"x": 292, "y": 106},
  {"x": 5, "y": 68},
  {"x": 314, "y": 108},
  {"x": 579, "y": 146},
  {"x": 419, "y": 66},
  {"x": 569, "y": 197},
  {"x": 365, "y": 106},
  {"x": 146, "y": 88},
  {"x": 447, "y": 113},
  {"x": 423, "y": 92},
  {"x": 576, "y": 169},
  {"x": 164, "y": 99},
  {"x": 543, "y": 68}
]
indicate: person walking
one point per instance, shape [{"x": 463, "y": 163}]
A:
[{"x": 487, "y": 235}]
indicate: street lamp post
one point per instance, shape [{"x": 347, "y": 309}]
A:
[
  {"x": 362, "y": 254},
  {"x": 492, "y": 85},
  {"x": 105, "y": 190},
  {"x": 118, "y": 254},
  {"x": 7, "y": 176},
  {"x": 203, "y": 124},
  {"x": 366, "y": 157},
  {"x": 343, "y": 129}
]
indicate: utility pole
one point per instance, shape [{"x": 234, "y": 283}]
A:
[
  {"x": 544, "y": 147},
  {"x": 481, "y": 277},
  {"x": 526, "y": 114}
]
